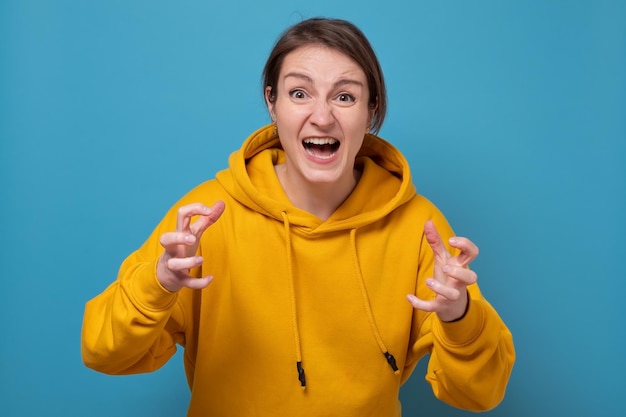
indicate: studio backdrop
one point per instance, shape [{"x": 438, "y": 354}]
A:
[{"x": 511, "y": 114}]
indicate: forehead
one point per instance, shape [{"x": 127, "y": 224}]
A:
[{"x": 319, "y": 60}]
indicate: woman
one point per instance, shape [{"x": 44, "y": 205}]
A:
[{"x": 332, "y": 276}]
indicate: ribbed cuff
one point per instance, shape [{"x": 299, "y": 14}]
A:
[
  {"x": 148, "y": 291},
  {"x": 465, "y": 330}
]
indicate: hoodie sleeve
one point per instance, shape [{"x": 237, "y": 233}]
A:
[
  {"x": 471, "y": 359},
  {"x": 133, "y": 326}
]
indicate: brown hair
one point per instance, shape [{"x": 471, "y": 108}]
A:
[{"x": 341, "y": 36}]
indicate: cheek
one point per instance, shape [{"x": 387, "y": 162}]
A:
[
  {"x": 356, "y": 124},
  {"x": 284, "y": 110},
  {"x": 361, "y": 116}
]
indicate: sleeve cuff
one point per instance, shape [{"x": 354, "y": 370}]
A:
[
  {"x": 465, "y": 330},
  {"x": 148, "y": 291}
]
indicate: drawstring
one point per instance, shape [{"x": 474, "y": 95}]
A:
[
  {"x": 294, "y": 311},
  {"x": 391, "y": 360}
]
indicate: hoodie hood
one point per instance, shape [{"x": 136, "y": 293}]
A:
[{"x": 251, "y": 180}]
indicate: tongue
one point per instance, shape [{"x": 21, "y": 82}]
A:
[{"x": 322, "y": 151}]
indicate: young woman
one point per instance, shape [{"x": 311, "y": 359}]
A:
[{"x": 329, "y": 276}]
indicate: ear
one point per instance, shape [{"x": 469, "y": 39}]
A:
[
  {"x": 269, "y": 102},
  {"x": 370, "y": 116}
]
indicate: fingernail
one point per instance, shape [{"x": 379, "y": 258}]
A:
[
  {"x": 453, "y": 240},
  {"x": 446, "y": 268},
  {"x": 190, "y": 238}
]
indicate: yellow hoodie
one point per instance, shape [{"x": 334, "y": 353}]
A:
[{"x": 304, "y": 317}]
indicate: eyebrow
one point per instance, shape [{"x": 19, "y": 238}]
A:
[{"x": 339, "y": 83}]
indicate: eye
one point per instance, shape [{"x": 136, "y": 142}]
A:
[
  {"x": 297, "y": 94},
  {"x": 345, "y": 98}
]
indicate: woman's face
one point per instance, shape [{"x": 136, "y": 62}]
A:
[{"x": 322, "y": 114}]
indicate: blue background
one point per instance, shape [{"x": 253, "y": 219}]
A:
[{"x": 512, "y": 115}]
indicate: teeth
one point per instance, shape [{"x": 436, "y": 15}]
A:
[{"x": 320, "y": 141}]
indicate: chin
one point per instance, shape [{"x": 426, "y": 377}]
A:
[{"x": 323, "y": 178}]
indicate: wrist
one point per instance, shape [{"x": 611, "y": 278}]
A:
[{"x": 455, "y": 316}]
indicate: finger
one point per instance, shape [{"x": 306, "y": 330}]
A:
[
  {"x": 446, "y": 291},
  {"x": 183, "y": 264},
  {"x": 434, "y": 240},
  {"x": 197, "y": 283},
  {"x": 185, "y": 213},
  {"x": 199, "y": 226},
  {"x": 463, "y": 275},
  {"x": 469, "y": 251},
  {"x": 171, "y": 240},
  {"x": 424, "y": 305}
]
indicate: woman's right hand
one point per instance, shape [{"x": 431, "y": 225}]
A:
[{"x": 180, "y": 247}]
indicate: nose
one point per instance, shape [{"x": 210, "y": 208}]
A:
[{"x": 321, "y": 113}]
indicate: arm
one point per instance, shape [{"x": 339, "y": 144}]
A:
[
  {"x": 134, "y": 325},
  {"x": 472, "y": 351}
]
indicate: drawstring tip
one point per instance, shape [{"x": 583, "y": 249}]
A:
[
  {"x": 391, "y": 361},
  {"x": 301, "y": 376}
]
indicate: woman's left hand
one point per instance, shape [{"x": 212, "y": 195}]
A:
[{"x": 451, "y": 276}]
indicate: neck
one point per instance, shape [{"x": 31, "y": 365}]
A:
[{"x": 319, "y": 199}]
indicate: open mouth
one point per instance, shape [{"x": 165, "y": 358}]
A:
[{"x": 321, "y": 148}]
